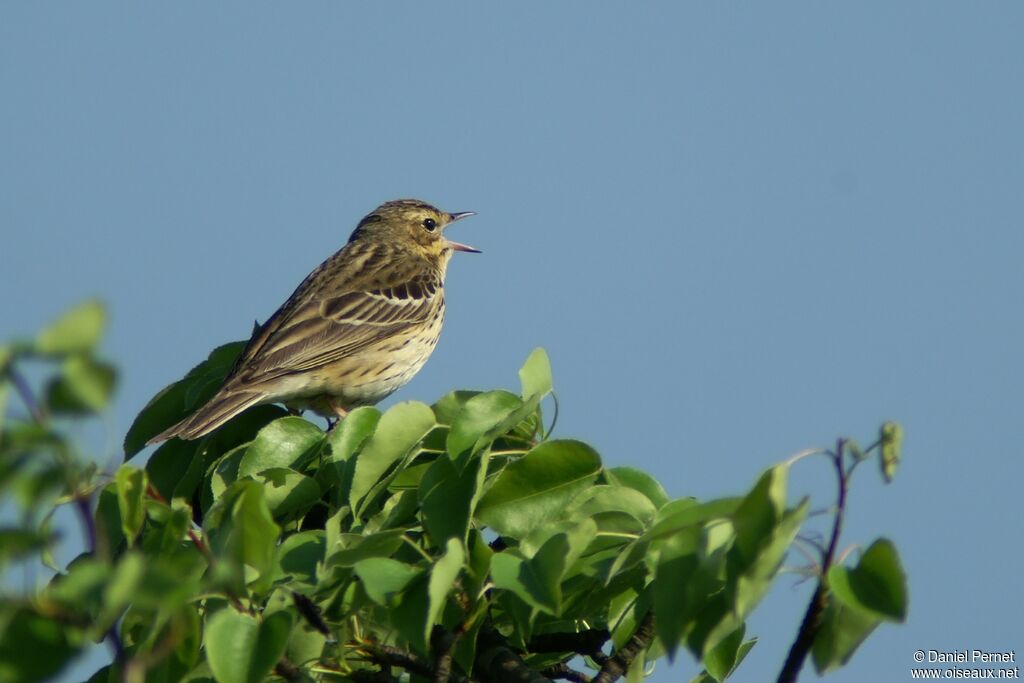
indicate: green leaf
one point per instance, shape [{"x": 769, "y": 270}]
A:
[
  {"x": 598, "y": 500},
  {"x": 230, "y": 441},
  {"x": 843, "y": 629},
  {"x": 760, "y": 569},
  {"x": 241, "y": 527},
  {"x": 81, "y": 586},
  {"x": 537, "y": 487},
  {"x": 442, "y": 579},
  {"x": 855, "y": 450},
  {"x": 169, "y": 583},
  {"x": 200, "y": 674},
  {"x": 131, "y": 499},
  {"x": 186, "y": 623},
  {"x": 358, "y": 548},
  {"x": 676, "y": 562},
  {"x": 877, "y": 585},
  {"x": 300, "y": 554},
  {"x": 225, "y": 472},
  {"x": 687, "y": 512},
  {"x": 640, "y": 481},
  {"x": 288, "y": 492},
  {"x": 741, "y": 654},
  {"x": 423, "y": 600},
  {"x": 288, "y": 442},
  {"x": 76, "y": 331},
  {"x": 398, "y": 433},
  {"x": 241, "y": 649},
  {"x": 448, "y": 407},
  {"x": 178, "y": 400},
  {"x": 721, "y": 659},
  {"x": 383, "y": 578},
  {"x": 109, "y": 533},
  {"x": 17, "y": 543},
  {"x": 891, "y": 439},
  {"x": 764, "y": 531},
  {"x": 483, "y": 418},
  {"x": 343, "y": 443},
  {"x": 535, "y": 580},
  {"x": 478, "y": 563},
  {"x": 170, "y": 526},
  {"x": 122, "y": 588},
  {"x": 350, "y": 434},
  {"x": 761, "y": 510},
  {"x": 306, "y": 645},
  {"x": 169, "y": 464},
  {"x": 33, "y": 647},
  {"x": 447, "y": 497},
  {"x": 84, "y": 385},
  {"x": 535, "y": 375},
  {"x": 635, "y": 673},
  {"x": 579, "y": 533},
  {"x": 409, "y": 478}
]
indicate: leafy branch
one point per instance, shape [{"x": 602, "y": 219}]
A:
[
  {"x": 458, "y": 542},
  {"x": 845, "y": 458}
]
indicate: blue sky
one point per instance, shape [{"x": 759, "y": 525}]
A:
[{"x": 739, "y": 230}]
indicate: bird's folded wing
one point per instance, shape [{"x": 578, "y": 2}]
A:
[{"x": 322, "y": 331}]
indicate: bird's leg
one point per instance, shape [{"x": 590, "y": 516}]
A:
[{"x": 338, "y": 410}]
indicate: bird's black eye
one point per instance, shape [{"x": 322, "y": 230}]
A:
[{"x": 430, "y": 224}]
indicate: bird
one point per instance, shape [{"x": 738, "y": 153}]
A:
[{"x": 357, "y": 328}]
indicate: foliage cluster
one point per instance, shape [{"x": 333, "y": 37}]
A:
[{"x": 456, "y": 541}]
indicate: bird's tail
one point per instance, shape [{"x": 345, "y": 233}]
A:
[{"x": 218, "y": 410}]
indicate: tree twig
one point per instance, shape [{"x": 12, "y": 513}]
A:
[
  {"x": 812, "y": 620},
  {"x": 235, "y": 601},
  {"x": 311, "y": 613},
  {"x": 442, "y": 643},
  {"x": 393, "y": 656},
  {"x": 618, "y": 664},
  {"x": 286, "y": 670},
  {"x": 198, "y": 542},
  {"x": 81, "y": 502},
  {"x": 84, "y": 510},
  {"x": 498, "y": 663},
  {"x": 565, "y": 672},
  {"x": 36, "y": 410}
]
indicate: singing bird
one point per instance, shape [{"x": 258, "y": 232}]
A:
[{"x": 356, "y": 329}]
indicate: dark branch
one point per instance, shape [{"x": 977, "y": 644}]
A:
[
  {"x": 496, "y": 662},
  {"x": 386, "y": 655},
  {"x": 84, "y": 509},
  {"x": 27, "y": 397},
  {"x": 112, "y": 636},
  {"x": 287, "y": 670},
  {"x": 813, "y": 617},
  {"x": 619, "y": 663},
  {"x": 565, "y": 672},
  {"x": 586, "y": 642},
  {"x": 443, "y": 645},
  {"x": 311, "y": 613}
]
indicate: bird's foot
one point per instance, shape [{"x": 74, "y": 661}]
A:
[{"x": 338, "y": 410}]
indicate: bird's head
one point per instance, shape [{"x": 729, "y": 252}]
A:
[{"x": 414, "y": 224}]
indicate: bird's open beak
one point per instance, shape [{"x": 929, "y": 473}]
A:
[{"x": 452, "y": 217}]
